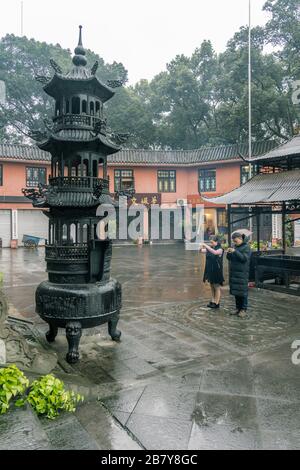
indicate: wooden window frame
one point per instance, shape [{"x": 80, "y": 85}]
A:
[
  {"x": 118, "y": 186},
  {"x": 28, "y": 184},
  {"x": 203, "y": 175},
  {"x": 166, "y": 178}
]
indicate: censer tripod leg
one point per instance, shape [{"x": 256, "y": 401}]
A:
[{"x": 73, "y": 334}]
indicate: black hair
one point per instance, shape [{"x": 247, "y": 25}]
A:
[
  {"x": 238, "y": 235},
  {"x": 215, "y": 238}
]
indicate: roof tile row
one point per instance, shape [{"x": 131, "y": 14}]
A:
[{"x": 149, "y": 157}]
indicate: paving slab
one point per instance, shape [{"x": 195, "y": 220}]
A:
[
  {"x": 183, "y": 376},
  {"x": 20, "y": 429}
]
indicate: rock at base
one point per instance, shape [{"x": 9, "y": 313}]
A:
[{"x": 2, "y": 352}]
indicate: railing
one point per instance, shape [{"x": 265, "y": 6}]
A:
[
  {"x": 81, "y": 182},
  {"x": 74, "y": 252},
  {"x": 76, "y": 120}
]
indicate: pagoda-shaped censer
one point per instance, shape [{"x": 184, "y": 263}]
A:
[{"x": 79, "y": 293}]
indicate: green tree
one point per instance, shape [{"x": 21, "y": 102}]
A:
[
  {"x": 27, "y": 104},
  {"x": 183, "y": 99},
  {"x": 129, "y": 111},
  {"x": 283, "y": 31},
  {"x": 197, "y": 100},
  {"x": 271, "y": 111}
]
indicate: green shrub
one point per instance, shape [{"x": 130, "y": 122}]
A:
[
  {"x": 13, "y": 384},
  {"x": 48, "y": 397}
]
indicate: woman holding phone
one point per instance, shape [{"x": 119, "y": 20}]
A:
[{"x": 213, "y": 272}]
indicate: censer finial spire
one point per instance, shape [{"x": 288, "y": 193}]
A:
[
  {"x": 80, "y": 36},
  {"x": 79, "y": 57}
]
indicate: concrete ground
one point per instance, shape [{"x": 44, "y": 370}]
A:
[{"x": 183, "y": 376}]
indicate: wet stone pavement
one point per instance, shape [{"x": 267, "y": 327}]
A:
[{"x": 183, "y": 376}]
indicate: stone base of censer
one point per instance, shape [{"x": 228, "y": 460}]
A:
[{"x": 74, "y": 307}]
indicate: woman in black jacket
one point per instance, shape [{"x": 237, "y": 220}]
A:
[
  {"x": 213, "y": 272},
  {"x": 239, "y": 263}
]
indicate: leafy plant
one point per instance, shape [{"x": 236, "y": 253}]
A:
[
  {"x": 13, "y": 383},
  {"x": 265, "y": 245},
  {"x": 253, "y": 245},
  {"x": 289, "y": 230},
  {"x": 48, "y": 397}
]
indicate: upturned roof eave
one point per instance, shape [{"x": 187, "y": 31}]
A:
[
  {"x": 58, "y": 82},
  {"x": 109, "y": 146}
]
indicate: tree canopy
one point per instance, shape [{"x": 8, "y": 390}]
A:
[{"x": 197, "y": 100}]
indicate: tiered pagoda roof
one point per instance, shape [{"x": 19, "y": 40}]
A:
[{"x": 72, "y": 81}]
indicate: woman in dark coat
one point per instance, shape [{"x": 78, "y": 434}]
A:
[
  {"x": 213, "y": 272},
  {"x": 239, "y": 263}
]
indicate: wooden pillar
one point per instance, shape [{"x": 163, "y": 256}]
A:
[
  {"x": 258, "y": 229},
  {"x": 283, "y": 228},
  {"x": 229, "y": 223}
]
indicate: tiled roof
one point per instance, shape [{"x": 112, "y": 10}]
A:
[
  {"x": 289, "y": 148},
  {"x": 23, "y": 152},
  {"x": 179, "y": 157},
  {"x": 150, "y": 157},
  {"x": 264, "y": 188}
]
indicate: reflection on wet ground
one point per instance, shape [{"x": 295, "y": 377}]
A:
[{"x": 183, "y": 377}]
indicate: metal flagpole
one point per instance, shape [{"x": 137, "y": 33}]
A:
[
  {"x": 22, "y": 19},
  {"x": 250, "y": 102},
  {"x": 249, "y": 86}
]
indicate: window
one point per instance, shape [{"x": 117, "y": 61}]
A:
[
  {"x": 35, "y": 176},
  {"x": 1, "y": 175},
  {"x": 75, "y": 105},
  {"x": 207, "y": 180},
  {"x": 245, "y": 172},
  {"x": 222, "y": 220},
  {"x": 124, "y": 180},
  {"x": 98, "y": 108},
  {"x": 84, "y": 106},
  {"x": 166, "y": 181}
]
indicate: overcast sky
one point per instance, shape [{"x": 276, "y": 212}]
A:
[{"x": 142, "y": 34}]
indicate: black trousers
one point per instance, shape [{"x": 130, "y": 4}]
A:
[{"x": 241, "y": 302}]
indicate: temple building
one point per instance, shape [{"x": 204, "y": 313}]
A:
[{"x": 171, "y": 177}]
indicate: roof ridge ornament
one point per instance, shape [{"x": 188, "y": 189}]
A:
[
  {"x": 79, "y": 58},
  {"x": 95, "y": 68},
  {"x": 56, "y": 67}
]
